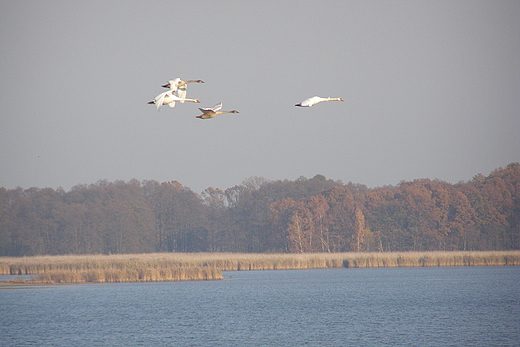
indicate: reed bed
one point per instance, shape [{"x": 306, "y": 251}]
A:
[
  {"x": 129, "y": 275},
  {"x": 209, "y": 266},
  {"x": 105, "y": 269}
]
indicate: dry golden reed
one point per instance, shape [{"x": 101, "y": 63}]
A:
[{"x": 209, "y": 266}]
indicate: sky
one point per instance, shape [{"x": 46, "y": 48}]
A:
[{"x": 431, "y": 90}]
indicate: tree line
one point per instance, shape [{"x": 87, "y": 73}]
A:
[{"x": 304, "y": 215}]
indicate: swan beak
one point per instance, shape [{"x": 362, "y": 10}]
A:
[
  {"x": 197, "y": 101},
  {"x": 166, "y": 85},
  {"x": 340, "y": 99}
]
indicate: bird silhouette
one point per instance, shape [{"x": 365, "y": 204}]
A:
[
  {"x": 315, "y": 100},
  {"x": 213, "y": 111},
  {"x": 168, "y": 98},
  {"x": 179, "y": 86}
]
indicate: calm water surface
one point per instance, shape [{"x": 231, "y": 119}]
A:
[{"x": 469, "y": 306}]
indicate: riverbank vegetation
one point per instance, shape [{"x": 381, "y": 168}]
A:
[
  {"x": 155, "y": 267},
  {"x": 261, "y": 216}
]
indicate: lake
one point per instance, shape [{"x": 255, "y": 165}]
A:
[{"x": 463, "y": 306}]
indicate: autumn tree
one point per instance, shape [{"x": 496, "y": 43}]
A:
[
  {"x": 304, "y": 215},
  {"x": 179, "y": 217},
  {"x": 218, "y": 223}
]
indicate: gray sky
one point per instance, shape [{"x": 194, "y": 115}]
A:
[{"x": 431, "y": 90}]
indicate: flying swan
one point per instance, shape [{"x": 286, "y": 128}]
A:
[
  {"x": 315, "y": 100},
  {"x": 168, "y": 98},
  {"x": 179, "y": 86},
  {"x": 213, "y": 112}
]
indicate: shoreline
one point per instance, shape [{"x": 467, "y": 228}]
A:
[{"x": 167, "y": 267}]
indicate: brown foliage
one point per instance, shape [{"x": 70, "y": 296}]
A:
[{"x": 305, "y": 215}]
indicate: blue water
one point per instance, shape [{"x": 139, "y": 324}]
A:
[{"x": 467, "y": 306}]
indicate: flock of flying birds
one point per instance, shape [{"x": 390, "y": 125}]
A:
[{"x": 177, "y": 93}]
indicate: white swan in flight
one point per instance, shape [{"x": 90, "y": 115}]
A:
[
  {"x": 315, "y": 100},
  {"x": 168, "y": 98},
  {"x": 179, "y": 86},
  {"x": 213, "y": 111}
]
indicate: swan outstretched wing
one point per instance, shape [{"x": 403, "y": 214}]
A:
[
  {"x": 181, "y": 92},
  {"x": 211, "y": 109},
  {"x": 205, "y": 110},
  {"x": 159, "y": 99},
  {"x": 172, "y": 98},
  {"x": 172, "y": 84},
  {"x": 217, "y": 107}
]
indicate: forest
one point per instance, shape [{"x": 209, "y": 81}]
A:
[{"x": 262, "y": 216}]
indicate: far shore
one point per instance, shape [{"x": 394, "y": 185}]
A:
[{"x": 163, "y": 267}]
